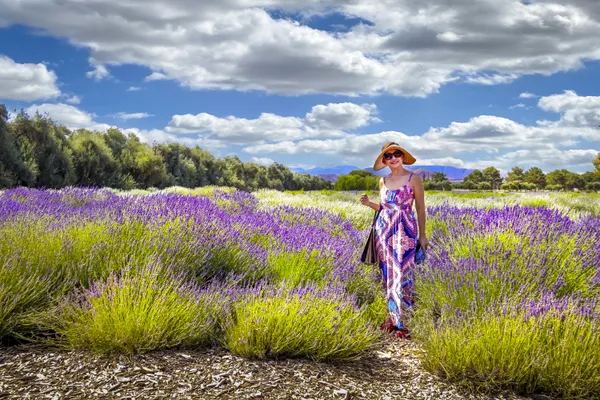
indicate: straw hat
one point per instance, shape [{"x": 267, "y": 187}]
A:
[{"x": 407, "y": 159}]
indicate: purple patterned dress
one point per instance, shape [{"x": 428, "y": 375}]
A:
[{"x": 396, "y": 239}]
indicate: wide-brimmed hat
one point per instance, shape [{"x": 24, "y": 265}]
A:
[{"x": 408, "y": 158}]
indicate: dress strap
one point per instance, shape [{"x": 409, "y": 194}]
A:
[{"x": 409, "y": 178}]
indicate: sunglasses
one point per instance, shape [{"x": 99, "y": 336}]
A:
[{"x": 389, "y": 156}]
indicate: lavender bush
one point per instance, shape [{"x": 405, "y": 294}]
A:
[
  {"x": 321, "y": 324},
  {"x": 509, "y": 298},
  {"x": 136, "y": 310},
  {"x": 75, "y": 263}
]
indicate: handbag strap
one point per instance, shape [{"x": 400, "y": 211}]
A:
[{"x": 376, "y": 215}]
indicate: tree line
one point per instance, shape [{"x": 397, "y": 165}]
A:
[
  {"x": 533, "y": 179},
  {"x": 37, "y": 152},
  {"x": 489, "y": 179}
]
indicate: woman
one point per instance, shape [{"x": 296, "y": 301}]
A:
[{"x": 397, "y": 232}]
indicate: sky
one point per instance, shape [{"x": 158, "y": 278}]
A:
[{"x": 318, "y": 83}]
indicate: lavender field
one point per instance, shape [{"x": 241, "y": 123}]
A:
[{"x": 507, "y": 299}]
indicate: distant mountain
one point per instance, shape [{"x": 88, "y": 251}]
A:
[{"x": 425, "y": 171}]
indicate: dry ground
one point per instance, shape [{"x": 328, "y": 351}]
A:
[{"x": 391, "y": 372}]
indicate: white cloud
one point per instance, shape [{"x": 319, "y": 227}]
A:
[
  {"x": 99, "y": 72},
  {"x": 477, "y": 143},
  {"x": 449, "y": 161},
  {"x": 520, "y": 105},
  {"x": 63, "y": 114},
  {"x": 496, "y": 79},
  {"x": 26, "y": 82},
  {"x": 301, "y": 166},
  {"x": 71, "y": 117},
  {"x": 341, "y": 116},
  {"x": 576, "y": 111},
  {"x": 156, "y": 76},
  {"x": 238, "y": 130},
  {"x": 500, "y": 141},
  {"x": 133, "y": 88},
  {"x": 449, "y": 37},
  {"x": 73, "y": 99},
  {"x": 409, "y": 48},
  {"x": 160, "y": 136},
  {"x": 262, "y": 161},
  {"x": 550, "y": 159},
  {"x": 322, "y": 121},
  {"x": 126, "y": 116},
  {"x": 527, "y": 95}
]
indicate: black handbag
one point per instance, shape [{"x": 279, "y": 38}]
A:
[{"x": 369, "y": 255}]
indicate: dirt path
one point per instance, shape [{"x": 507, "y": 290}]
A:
[{"x": 392, "y": 372}]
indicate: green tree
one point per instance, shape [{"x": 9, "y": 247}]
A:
[
  {"x": 38, "y": 152},
  {"x": 251, "y": 171},
  {"x": 591, "y": 176},
  {"x": 94, "y": 162},
  {"x": 492, "y": 176},
  {"x": 183, "y": 165},
  {"x": 596, "y": 162},
  {"x": 116, "y": 140},
  {"x": 280, "y": 177},
  {"x": 360, "y": 172},
  {"x": 45, "y": 150},
  {"x": 557, "y": 179},
  {"x": 13, "y": 170},
  {"x": 356, "y": 182},
  {"x": 474, "y": 177},
  {"x": 439, "y": 177},
  {"x": 516, "y": 174},
  {"x": 535, "y": 176},
  {"x": 574, "y": 181},
  {"x": 438, "y": 181},
  {"x": 593, "y": 186},
  {"x": 484, "y": 186},
  {"x": 143, "y": 163},
  {"x": 262, "y": 178}
]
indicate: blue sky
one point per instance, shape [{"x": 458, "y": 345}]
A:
[{"x": 318, "y": 83}]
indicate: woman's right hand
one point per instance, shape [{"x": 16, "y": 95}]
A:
[{"x": 364, "y": 200}]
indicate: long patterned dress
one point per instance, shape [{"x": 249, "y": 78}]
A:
[{"x": 395, "y": 240}]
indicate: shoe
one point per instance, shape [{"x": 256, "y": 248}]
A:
[
  {"x": 403, "y": 333},
  {"x": 388, "y": 326}
]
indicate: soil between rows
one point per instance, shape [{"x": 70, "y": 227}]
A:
[{"x": 392, "y": 371}]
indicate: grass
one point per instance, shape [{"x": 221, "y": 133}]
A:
[
  {"x": 137, "y": 310},
  {"x": 557, "y": 354},
  {"x": 510, "y": 301},
  {"x": 300, "y": 268},
  {"x": 302, "y": 323}
]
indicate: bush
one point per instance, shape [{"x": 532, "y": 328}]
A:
[
  {"x": 510, "y": 301},
  {"x": 522, "y": 352},
  {"x": 25, "y": 289},
  {"x": 299, "y": 268},
  {"x": 302, "y": 322},
  {"x": 593, "y": 186},
  {"x": 138, "y": 310},
  {"x": 484, "y": 186}
]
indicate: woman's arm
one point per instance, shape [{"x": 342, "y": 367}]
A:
[
  {"x": 419, "y": 191},
  {"x": 364, "y": 199}
]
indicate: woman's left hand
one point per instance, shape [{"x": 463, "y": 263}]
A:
[{"x": 424, "y": 243}]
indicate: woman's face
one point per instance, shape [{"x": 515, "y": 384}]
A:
[{"x": 393, "y": 158}]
